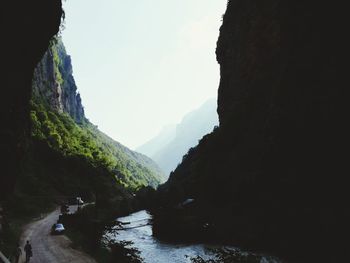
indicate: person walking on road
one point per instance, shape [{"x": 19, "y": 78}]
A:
[{"x": 28, "y": 250}]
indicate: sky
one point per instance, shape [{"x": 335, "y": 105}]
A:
[{"x": 141, "y": 65}]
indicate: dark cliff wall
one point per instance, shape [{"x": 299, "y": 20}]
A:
[
  {"x": 276, "y": 168},
  {"x": 282, "y": 97},
  {"x": 26, "y": 28},
  {"x": 54, "y": 83}
]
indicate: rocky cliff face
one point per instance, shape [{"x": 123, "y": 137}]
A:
[
  {"x": 27, "y": 27},
  {"x": 54, "y": 83},
  {"x": 277, "y": 161},
  {"x": 58, "y": 121}
]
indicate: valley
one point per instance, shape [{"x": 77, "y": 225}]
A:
[{"x": 257, "y": 175}]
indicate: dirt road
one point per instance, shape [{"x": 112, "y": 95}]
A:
[{"x": 48, "y": 248}]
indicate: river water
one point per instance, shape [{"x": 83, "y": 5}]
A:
[{"x": 139, "y": 231}]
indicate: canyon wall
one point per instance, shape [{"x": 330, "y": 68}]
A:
[
  {"x": 274, "y": 173},
  {"x": 54, "y": 83},
  {"x": 58, "y": 121},
  {"x": 27, "y": 27}
]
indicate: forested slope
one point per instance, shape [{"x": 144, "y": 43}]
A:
[{"x": 66, "y": 154}]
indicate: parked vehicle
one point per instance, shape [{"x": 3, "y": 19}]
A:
[
  {"x": 75, "y": 201},
  {"x": 57, "y": 229},
  {"x": 80, "y": 201}
]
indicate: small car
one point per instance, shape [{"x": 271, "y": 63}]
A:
[
  {"x": 75, "y": 201},
  {"x": 57, "y": 229},
  {"x": 80, "y": 201}
]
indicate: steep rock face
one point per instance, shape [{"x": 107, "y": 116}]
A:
[
  {"x": 281, "y": 97},
  {"x": 58, "y": 121},
  {"x": 27, "y": 27},
  {"x": 54, "y": 83},
  {"x": 277, "y": 162}
]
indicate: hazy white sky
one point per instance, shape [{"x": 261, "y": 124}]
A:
[{"x": 140, "y": 65}]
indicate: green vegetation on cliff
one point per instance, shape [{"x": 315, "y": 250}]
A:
[
  {"x": 67, "y": 156},
  {"x": 58, "y": 118},
  {"x": 85, "y": 141}
]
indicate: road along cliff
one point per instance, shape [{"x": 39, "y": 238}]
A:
[{"x": 49, "y": 248}]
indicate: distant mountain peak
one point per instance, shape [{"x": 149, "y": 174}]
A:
[{"x": 168, "y": 147}]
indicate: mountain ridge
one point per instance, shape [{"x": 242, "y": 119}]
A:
[
  {"x": 186, "y": 134},
  {"x": 54, "y": 88},
  {"x": 162, "y": 138}
]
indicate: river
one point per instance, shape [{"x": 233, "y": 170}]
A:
[{"x": 139, "y": 231}]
